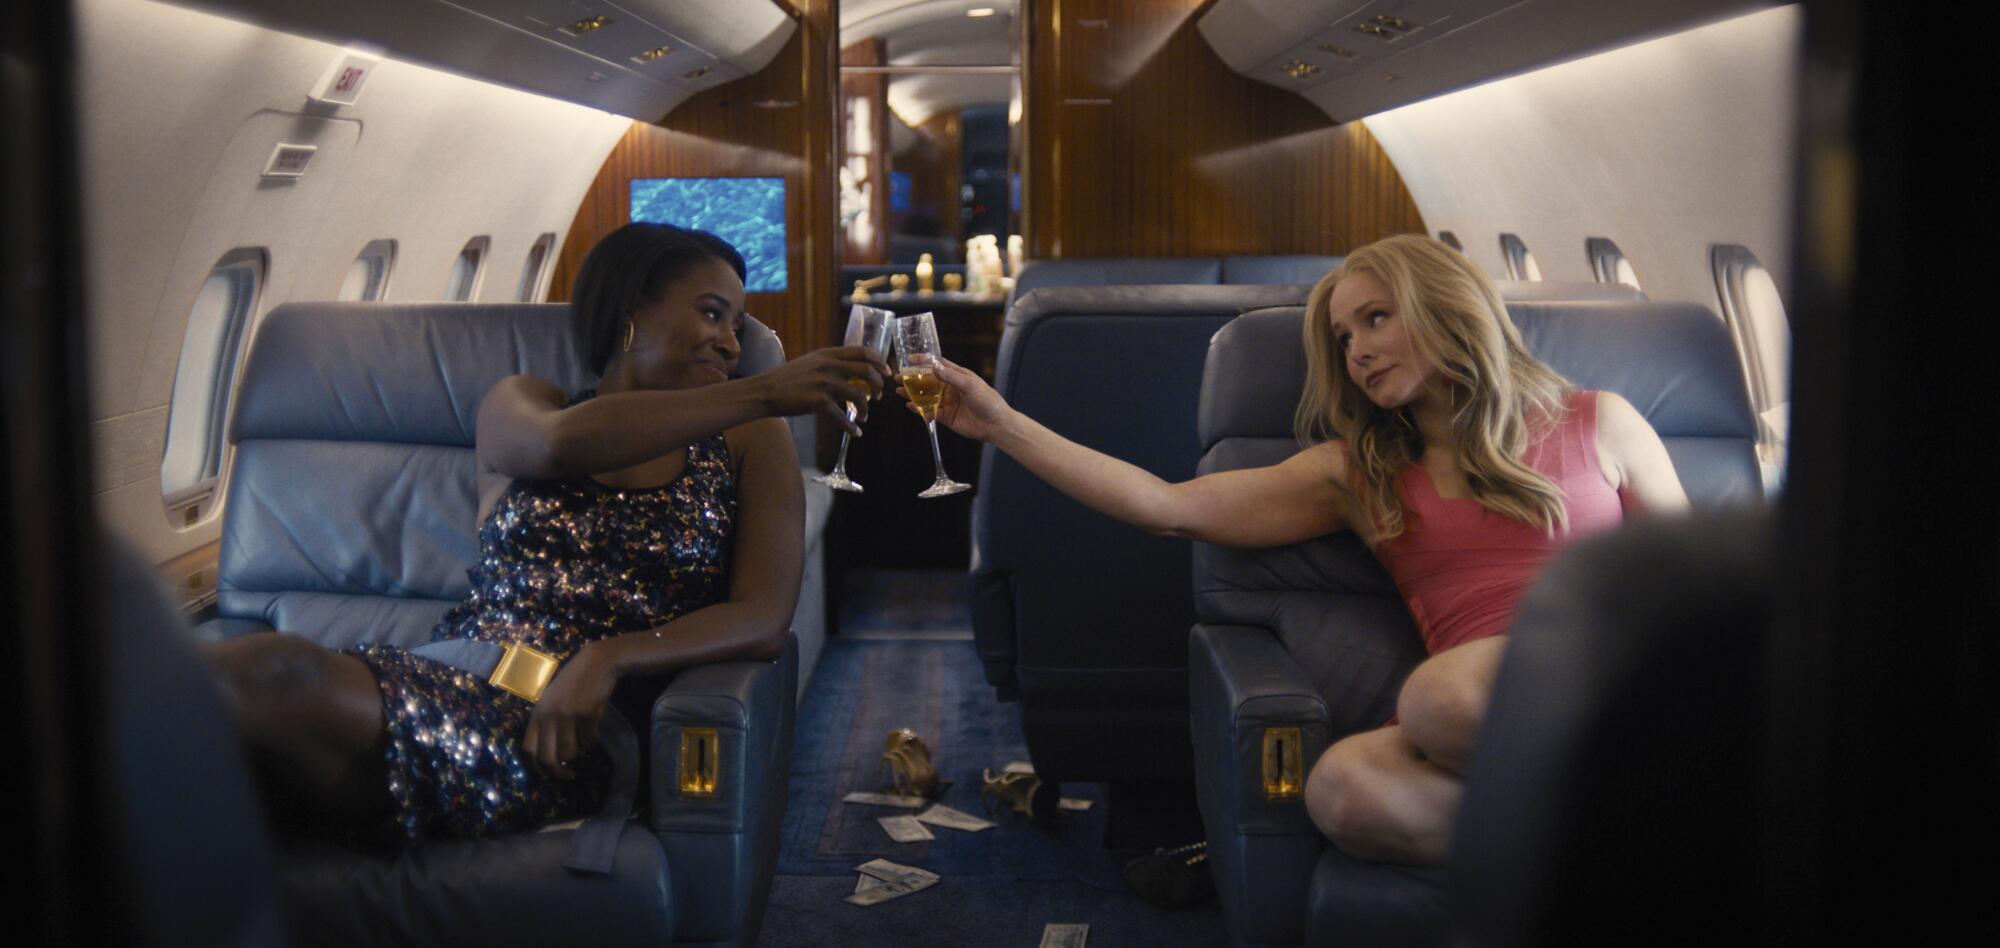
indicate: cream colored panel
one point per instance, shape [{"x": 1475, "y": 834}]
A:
[
  {"x": 176, "y": 104},
  {"x": 1665, "y": 147}
]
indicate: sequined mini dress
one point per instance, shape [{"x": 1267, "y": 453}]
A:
[{"x": 562, "y": 563}]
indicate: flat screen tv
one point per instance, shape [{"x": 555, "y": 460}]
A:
[{"x": 747, "y": 212}]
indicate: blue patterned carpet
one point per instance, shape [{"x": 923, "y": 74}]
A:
[{"x": 904, "y": 660}]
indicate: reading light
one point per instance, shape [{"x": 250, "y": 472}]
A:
[
  {"x": 653, "y": 54},
  {"x": 696, "y": 73},
  {"x": 979, "y": 11},
  {"x": 587, "y": 24},
  {"x": 1300, "y": 69}
]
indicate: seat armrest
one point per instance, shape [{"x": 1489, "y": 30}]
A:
[
  {"x": 1263, "y": 851},
  {"x": 223, "y": 627},
  {"x": 749, "y": 705},
  {"x": 1242, "y": 682}
]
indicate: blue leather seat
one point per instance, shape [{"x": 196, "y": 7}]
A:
[
  {"x": 1274, "y": 270},
  {"x": 351, "y": 518},
  {"x": 1079, "y": 617},
  {"x": 1314, "y": 635}
]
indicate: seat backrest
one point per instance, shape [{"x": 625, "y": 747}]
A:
[
  {"x": 1113, "y": 271},
  {"x": 353, "y": 499},
  {"x": 1300, "y": 268},
  {"x": 1675, "y": 362},
  {"x": 1117, "y": 369},
  {"x": 1549, "y": 291}
]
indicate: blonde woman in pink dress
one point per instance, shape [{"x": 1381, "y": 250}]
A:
[{"x": 1460, "y": 460}]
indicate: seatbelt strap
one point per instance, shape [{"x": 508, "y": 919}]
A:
[{"x": 594, "y": 845}]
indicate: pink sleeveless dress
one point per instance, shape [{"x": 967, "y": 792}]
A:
[{"x": 1463, "y": 569}]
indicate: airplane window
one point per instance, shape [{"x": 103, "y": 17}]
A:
[
  {"x": 1609, "y": 263},
  {"x": 216, "y": 329},
  {"x": 1755, "y": 312},
  {"x": 367, "y": 278},
  {"x": 1521, "y": 264},
  {"x": 1451, "y": 240},
  {"x": 533, "y": 272},
  {"x": 465, "y": 273}
]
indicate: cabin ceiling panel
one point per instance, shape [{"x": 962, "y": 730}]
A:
[
  {"x": 638, "y": 58},
  {"x": 1666, "y": 148},
  {"x": 1354, "y": 58}
]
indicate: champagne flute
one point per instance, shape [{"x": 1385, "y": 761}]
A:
[
  {"x": 866, "y": 326},
  {"x": 916, "y": 368}
]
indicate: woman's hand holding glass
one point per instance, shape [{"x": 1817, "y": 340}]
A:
[
  {"x": 969, "y": 406},
  {"x": 917, "y": 361},
  {"x": 825, "y": 381},
  {"x": 867, "y": 331}
]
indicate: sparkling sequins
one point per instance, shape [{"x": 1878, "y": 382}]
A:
[{"x": 562, "y": 563}]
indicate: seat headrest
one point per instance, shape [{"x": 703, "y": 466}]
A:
[
  {"x": 1675, "y": 362},
  {"x": 412, "y": 373},
  {"x": 1115, "y": 271},
  {"x": 1297, "y": 268}
]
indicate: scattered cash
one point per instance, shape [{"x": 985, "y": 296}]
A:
[
  {"x": 904, "y": 829},
  {"x": 1064, "y": 935},
  {"x": 884, "y": 799},
  {"x": 1071, "y": 803},
  {"x": 559, "y": 827},
  {"x": 941, "y": 815},
  {"x": 882, "y": 880},
  {"x": 1018, "y": 767},
  {"x": 896, "y": 873}
]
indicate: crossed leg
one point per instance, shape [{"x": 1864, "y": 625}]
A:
[
  {"x": 312, "y": 721},
  {"x": 1391, "y": 794}
]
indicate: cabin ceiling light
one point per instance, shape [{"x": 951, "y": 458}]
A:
[
  {"x": 696, "y": 73},
  {"x": 1396, "y": 23},
  {"x": 1300, "y": 69},
  {"x": 979, "y": 11},
  {"x": 651, "y": 55},
  {"x": 588, "y": 24},
  {"x": 1341, "y": 51},
  {"x": 1373, "y": 29}
]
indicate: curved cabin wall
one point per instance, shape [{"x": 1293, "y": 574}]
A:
[
  {"x": 180, "y": 109},
  {"x": 1666, "y": 147},
  {"x": 1142, "y": 142}
]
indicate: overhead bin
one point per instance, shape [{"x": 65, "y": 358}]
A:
[
  {"x": 1354, "y": 58},
  {"x": 639, "y": 58}
]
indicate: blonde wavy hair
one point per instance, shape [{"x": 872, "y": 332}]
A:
[{"x": 1503, "y": 397}]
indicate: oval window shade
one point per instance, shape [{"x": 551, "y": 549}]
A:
[
  {"x": 1755, "y": 312},
  {"x": 1610, "y": 264},
  {"x": 535, "y": 272},
  {"x": 197, "y": 418},
  {"x": 463, "y": 284},
  {"x": 367, "y": 277},
  {"x": 1521, "y": 264},
  {"x": 1451, "y": 240}
]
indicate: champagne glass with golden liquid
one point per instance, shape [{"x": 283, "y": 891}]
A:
[
  {"x": 866, "y": 326},
  {"x": 916, "y": 369}
]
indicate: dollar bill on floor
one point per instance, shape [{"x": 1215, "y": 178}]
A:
[
  {"x": 1072, "y": 803},
  {"x": 863, "y": 882},
  {"x": 904, "y": 829},
  {"x": 1018, "y": 767},
  {"x": 1064, "y": 935},
  {"x": 896, "y": 873},
  {"x": 884, "y": 799},
  {"x": 876, "y": 892},
  {"x": 941, "y": 815}
]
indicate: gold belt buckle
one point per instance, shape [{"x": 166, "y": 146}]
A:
[{"x": 524, "y": 670}]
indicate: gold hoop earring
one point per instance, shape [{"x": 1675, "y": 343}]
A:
[{"x": 629, "y": 331}]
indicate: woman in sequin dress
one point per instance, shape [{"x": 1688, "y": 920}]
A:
[{"x": 650, "y": 524}]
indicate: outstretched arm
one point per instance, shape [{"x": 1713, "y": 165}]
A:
[
  {"x": 526, "y": 433},
  {"x": 768, "y": 555},
  {"x": 1302, "y": 497},
  {"x": 1632, "y": 453}
]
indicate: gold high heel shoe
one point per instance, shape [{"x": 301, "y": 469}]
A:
[
  {"x": 911, "y": 770},
  {"x": 1023, "y": 793}
]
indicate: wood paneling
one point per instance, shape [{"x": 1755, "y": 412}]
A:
[
  {"x": 1143, "y": 143},
  {"x": 777, "y": 123},
  {"x": 936, "y": 165}
]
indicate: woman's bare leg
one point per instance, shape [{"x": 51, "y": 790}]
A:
[
  {"x": 1444, "y": 701},
  {"x": 1392, "y": 794},
  {"x": 312, "y": 718},
  {"x": 1377, "y": 799}
]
